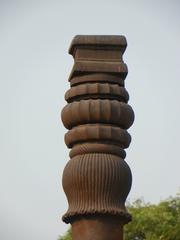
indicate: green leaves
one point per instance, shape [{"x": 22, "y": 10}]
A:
[
  {"x": 67, "y": 236},
  {"x": 153, "y": 222}
]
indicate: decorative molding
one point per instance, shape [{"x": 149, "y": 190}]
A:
[{"x": 96, "y": 179}]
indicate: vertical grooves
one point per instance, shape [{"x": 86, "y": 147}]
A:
[
  {"x": 97, "y": 180},
  {"x": 89, "y": 174}
]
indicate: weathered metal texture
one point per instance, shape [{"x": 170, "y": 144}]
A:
[
  {"x": 97, "y": 228},
  {"x": 97, "y": 180}
]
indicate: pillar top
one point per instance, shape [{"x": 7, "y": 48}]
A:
[{"x": 110, "y": 42}]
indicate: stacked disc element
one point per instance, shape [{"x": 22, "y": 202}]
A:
[{"x": 97, "y": 180}]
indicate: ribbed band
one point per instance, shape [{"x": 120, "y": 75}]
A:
[
  {"x": 96, "y": 184},
  {"x": 97, "y": 180}
]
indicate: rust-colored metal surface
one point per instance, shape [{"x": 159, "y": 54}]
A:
[
  {"x": 97, "y": 179},
  {"x": 97, "y": 228}
]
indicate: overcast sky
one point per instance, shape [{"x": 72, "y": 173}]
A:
[{"x": 34, "y": 68}]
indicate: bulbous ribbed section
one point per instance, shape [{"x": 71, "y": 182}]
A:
[
  {"x": 97, "y": 90},
  {"x": 97, "y": 180},
  {"x": 94, "y": 183},
  {"x": 97, "y": 133},
  {"x": 97, "y": 111}
]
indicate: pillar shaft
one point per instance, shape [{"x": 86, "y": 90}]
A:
[
  {"x": 97, "y": 228},
  {"x": 97, "y": 179}
]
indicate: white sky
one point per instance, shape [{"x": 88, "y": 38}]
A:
[{"x": 34, "y": 68}]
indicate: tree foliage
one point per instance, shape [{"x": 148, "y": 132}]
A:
[
  {"x": 151, "y": 221},
  {"x": 67, "y": 236}
]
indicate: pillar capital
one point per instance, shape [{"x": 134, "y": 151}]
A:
[{"x": 97, "y": 179}]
